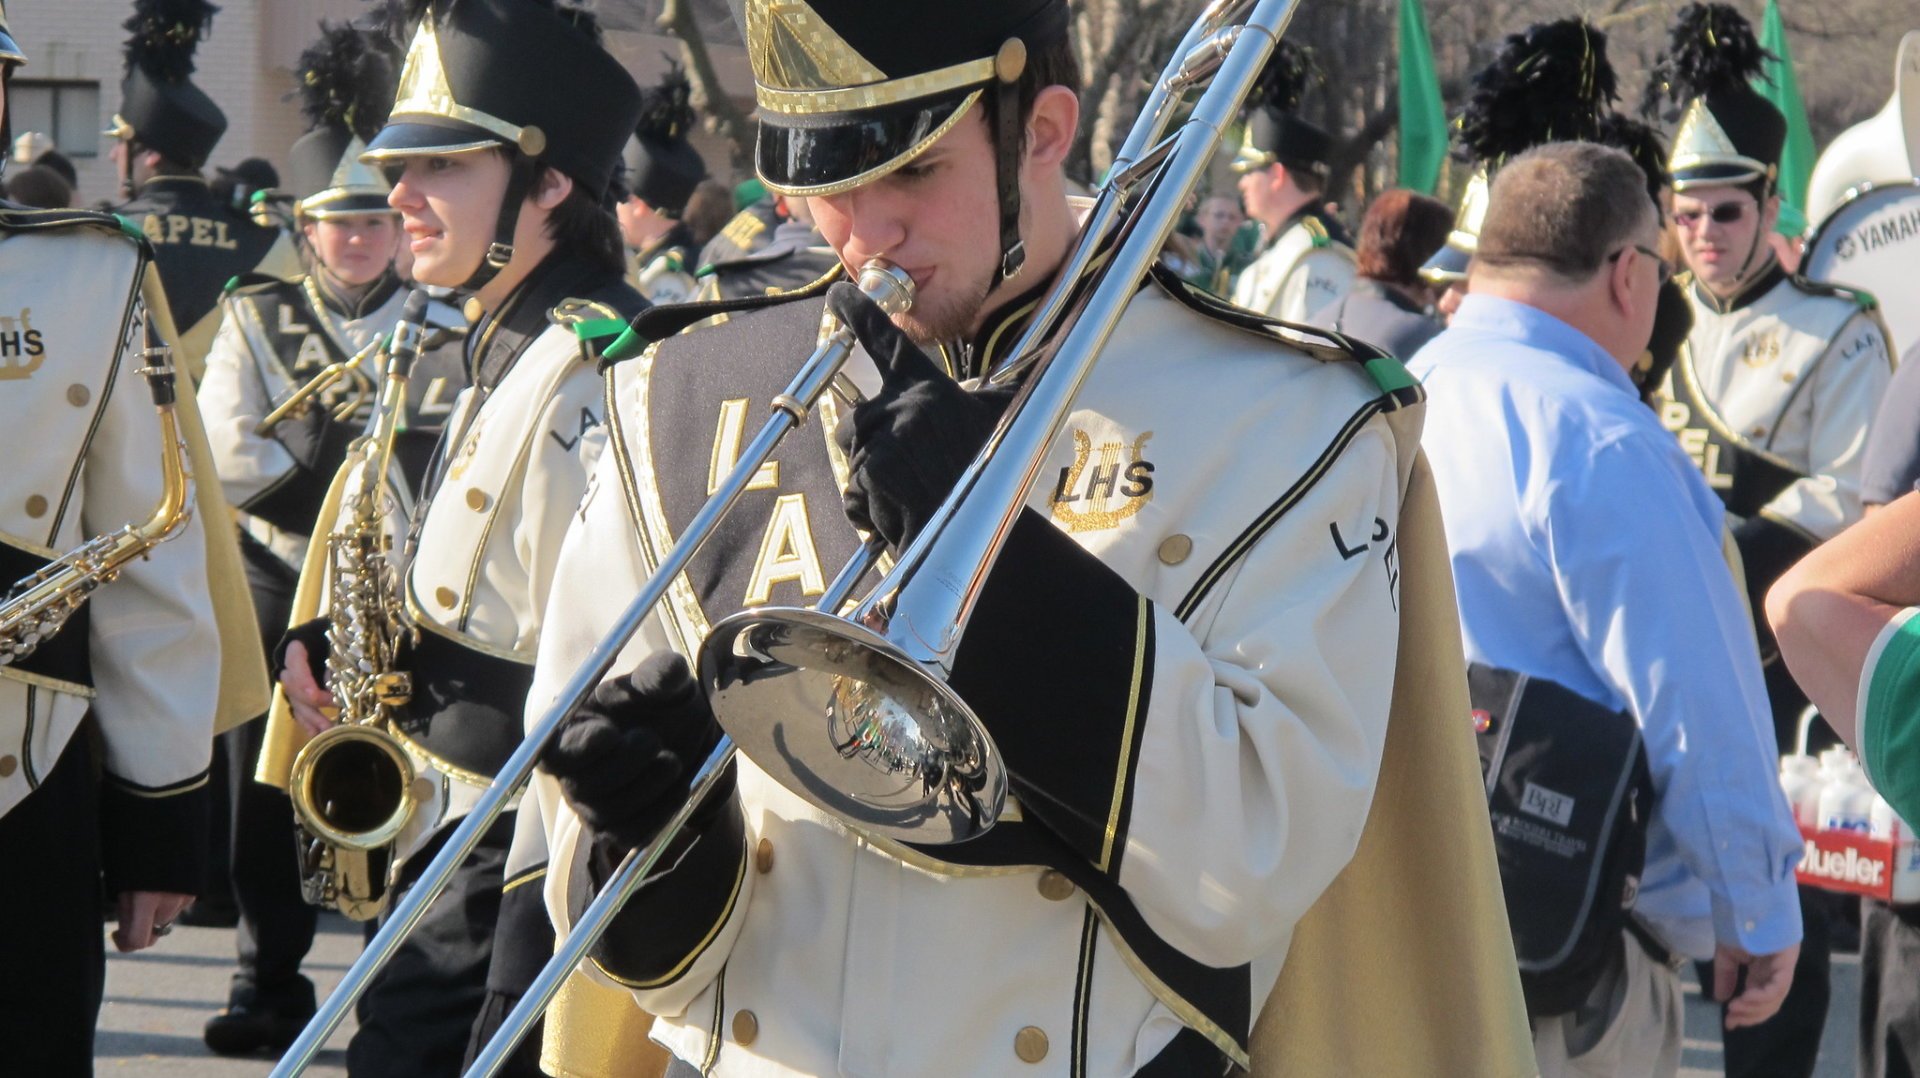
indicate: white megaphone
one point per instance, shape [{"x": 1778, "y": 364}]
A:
[{"x": 1882, "y": 149}]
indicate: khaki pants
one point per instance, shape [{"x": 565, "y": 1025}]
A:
[{"x": 1630, "y": 1026}]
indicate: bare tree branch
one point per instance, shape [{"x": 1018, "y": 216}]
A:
[{"x": 710, "y": 98}]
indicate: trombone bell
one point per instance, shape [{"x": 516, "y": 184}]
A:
[{"x": 840, "y": 716}]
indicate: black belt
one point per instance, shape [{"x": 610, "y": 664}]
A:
[
  {"x": 468, "y": 706},
  {"x": 1651, "y": 944},
  {"x": 64, "y": 656}
]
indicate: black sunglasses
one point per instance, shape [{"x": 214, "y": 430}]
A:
[
  {"x": 1726, "y": 213},
  {"x": 1664, "y": 267}
]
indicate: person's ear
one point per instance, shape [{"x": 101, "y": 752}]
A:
[
  {"x": 1051, "y": 126},
  {"x": 551, "y": 189},
  {"x": 1620, "y": 273},
  {"x": 1769, "y": 214}
]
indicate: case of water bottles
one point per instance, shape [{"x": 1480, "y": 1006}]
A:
[{"x": 1855, "y": 843}]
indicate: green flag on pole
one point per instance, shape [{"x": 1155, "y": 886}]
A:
[
  {"x": 1423, "y": 119},
  {"x": 1778, "y": 85}
]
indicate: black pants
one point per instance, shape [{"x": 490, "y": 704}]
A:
[
  {"x": 1889, "y": 991},
  {"x": 52, "y": 946},
  {"x": 276, "y": 924},
  {"x": 418, "y": 1016},
  {"x": 1786, "y": 1045}
]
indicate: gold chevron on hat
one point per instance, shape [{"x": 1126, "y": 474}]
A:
[
  {"x": 426, "y": 94},
  {"x": 1472, "y": 214},
  {"x": 1702, "y": 143},
  {"x": 352, "y": 178},
  {"x": 802, "y": 67}
]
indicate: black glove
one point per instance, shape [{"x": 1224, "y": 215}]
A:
[
  {"x": 626, "y": 758},
  {"x": 313, "y": 636},
  {"x": 316, "y": 441},
  {"x": 908, "y": 444}
]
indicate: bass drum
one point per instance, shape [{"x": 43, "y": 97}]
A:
[{"x": 1872, "y": 241}]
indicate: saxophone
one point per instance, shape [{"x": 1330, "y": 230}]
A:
[
  {"x": 38, "y": 606},
  {"x": 352, "y": 785}
]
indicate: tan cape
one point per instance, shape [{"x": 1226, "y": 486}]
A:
[
  {"x": 1404, "y": 967},
  {"x": 243, "y": 666}
]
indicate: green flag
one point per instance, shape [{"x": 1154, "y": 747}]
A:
[
  {"x": 1423, "y": 119},
  {"x": 1778, "y": 85}
]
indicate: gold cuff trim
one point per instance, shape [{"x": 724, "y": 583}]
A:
[
  {"x": 453, "y": 771},
  {"x": 841, "y": 186},
  {"x": 873, "y": 95},
  {"x": 154, "y": 795},
  {"x": 1127, "y": 731},
  {"x": 679, "y": 970},
  {"x": 524, "y": 878},
  {"x": 52, "y": 684},
  {"x": 422, "y": 621},
  {"x": 20, "y": 542}
]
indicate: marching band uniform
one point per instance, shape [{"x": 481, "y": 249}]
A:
[
  {"x": 1112, "y": 921},
  {"x": 275, "y": 337},
  {"x": 796, "y": 257},
  {"x": 1308, "y": 263},
  {"x": 200, "y": 243},
  {"x": 1771, "y": 397},
  {"x": 150, "y": 666},
  {"x": 662, "y": 169},
  {"x": 481, "y": 545},
  {"x": 749, "y": 232}
]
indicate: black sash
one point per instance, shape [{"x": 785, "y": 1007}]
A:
[
  {"x": 467, "y": 704},
  {"x": 1745, "y": 476},
  {"x": 66, "y": 655}
]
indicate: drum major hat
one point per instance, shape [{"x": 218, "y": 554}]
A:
[
  {"x": 159, "y": 104},
  {"x": 347, "y": 81},
  {"x": 847, "y": 95},
  {"x": 10, "y": 52},
  {"x": 518, "y": 74},
  {"x": 1728, "y": 134}
]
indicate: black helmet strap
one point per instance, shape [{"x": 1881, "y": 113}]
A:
[
  {"x": 1007, "y": 66},
  {"x": 520, "y": 175}
]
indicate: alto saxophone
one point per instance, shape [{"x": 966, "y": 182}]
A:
[
  {"x": 38, "y": 606},
  {"x": 352, "y": 785}
]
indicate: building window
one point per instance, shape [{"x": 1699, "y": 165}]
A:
[{"x": 69, "y": 111}]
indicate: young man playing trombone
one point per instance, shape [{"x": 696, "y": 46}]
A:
[
  {"x": 501, "y": 149},
  {"x": 1185, "y": 651}
]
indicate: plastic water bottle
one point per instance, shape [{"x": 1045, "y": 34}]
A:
[
  {"x": 1888, "y": 826},
  {"x": 1846, "y": 803},
  {"x": 1800, "y": 779}
]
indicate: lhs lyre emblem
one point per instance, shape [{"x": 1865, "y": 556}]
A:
[
  {"x": 22, "y": 349},
  {"x": 1119, "y": 483}
]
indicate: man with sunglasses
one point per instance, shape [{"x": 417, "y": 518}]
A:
[
  {"x": 1771, "y": 397},
  {"x": 1540, "y": 449}
]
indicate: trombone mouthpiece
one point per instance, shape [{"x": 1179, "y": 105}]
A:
[{"x": 887, "y": 285}]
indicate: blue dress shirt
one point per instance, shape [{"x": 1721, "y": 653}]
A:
[{"x": 1587, "y": 549}]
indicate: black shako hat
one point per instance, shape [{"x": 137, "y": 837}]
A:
[
  {"x": 847, "y": 94},
  {"x": 347, "y": 81},
  {"x": 10, "y": 51},
  {"x": 662, "y": 167},
  {"x": 159, "y": 104},
  {"x": 1729, "y": 135},
  {"x": 1275, "y": 132},
  {"x": 519, "y": 74}
]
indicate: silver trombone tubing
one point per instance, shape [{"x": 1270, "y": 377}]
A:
[
  {"x": 635, "y": 867},
  {"x": 888, "y": 286}
]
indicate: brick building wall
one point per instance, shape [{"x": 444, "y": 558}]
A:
[{"x": 246, "y": 65}]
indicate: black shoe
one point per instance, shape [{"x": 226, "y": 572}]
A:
[{"x": 242, "y": 1030}]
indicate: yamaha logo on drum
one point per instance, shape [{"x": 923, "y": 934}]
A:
[{"x": 1877, "y": 234}]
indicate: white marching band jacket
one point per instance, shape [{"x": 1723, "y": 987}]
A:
[
  {"x": 1194, "y": 725},
  {"x": 1302, "y": 273},
  {"x": 1772, "y": 397},
  {"x": 274, "y": 339},
  {"x": 87, "y": 461}
]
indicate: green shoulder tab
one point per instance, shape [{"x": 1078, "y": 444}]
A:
[
  {"x": 128, "y": 225},
  {"x": 1859, "y": 297},
  {"x": 707, "y": 270},
  {"x": 1317, "y": 232},
  {"x": 625, "y": 346},
  {"x": 598, "y": 328},
  {"x": 1389, "y": 374}
]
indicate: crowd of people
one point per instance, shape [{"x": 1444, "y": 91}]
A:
[{"x": 1579, "y": 477}]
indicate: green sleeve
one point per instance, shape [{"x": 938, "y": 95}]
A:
[{"x": 1890, "y": 714}]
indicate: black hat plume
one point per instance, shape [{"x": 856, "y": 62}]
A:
[
  {"x": 347, "y": 79},
  {"x": 163, "y": 34},
  {"x": 1710, "y": 49},
  {"x": 1290, "y": 72},
  {"x": 1549, "y": 83},
  {"x": 666, "y": 108}
]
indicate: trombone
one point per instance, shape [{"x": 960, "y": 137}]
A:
[{"x": 908, "y": 758}]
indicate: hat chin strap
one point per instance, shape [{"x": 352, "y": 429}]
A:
[
  {"x": 1761, "y": 192},
  {"x": 500, "y": 252},
  {"x": 1006, "y": 151}
]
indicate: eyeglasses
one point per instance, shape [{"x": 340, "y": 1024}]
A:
[
  {"x": 1664, "y": 267},
  {"x": 1726, "y": 213}
]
